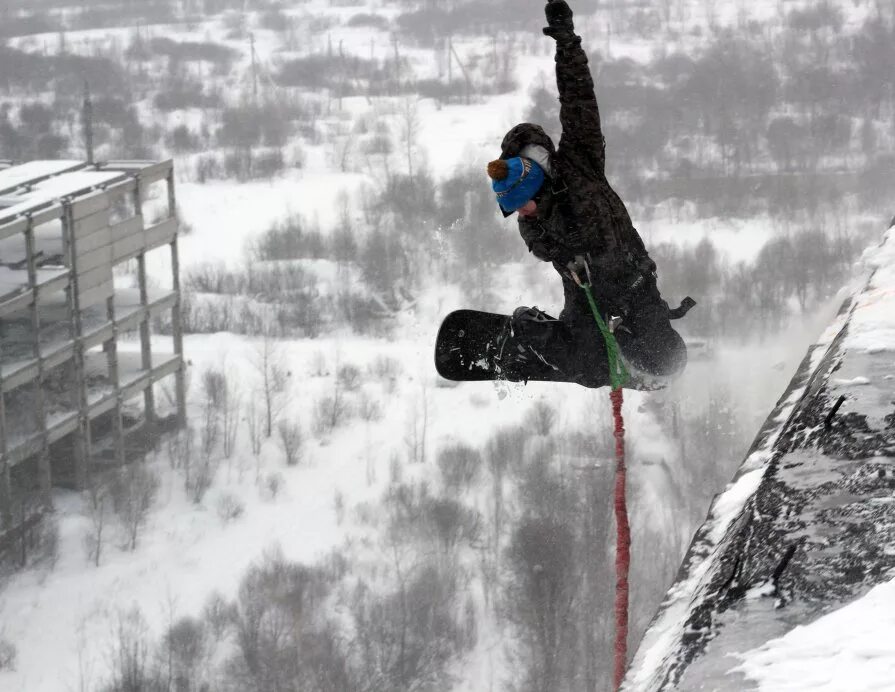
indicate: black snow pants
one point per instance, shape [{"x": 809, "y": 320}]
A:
[{"x": 573, "y": 346}]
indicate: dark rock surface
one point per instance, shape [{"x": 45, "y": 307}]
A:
[{"x": 807, "y": 525}]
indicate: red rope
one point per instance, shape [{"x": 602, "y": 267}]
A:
[{"x": 623, "y": 543}]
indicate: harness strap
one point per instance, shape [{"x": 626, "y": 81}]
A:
[{"x": 618, "y": 375}]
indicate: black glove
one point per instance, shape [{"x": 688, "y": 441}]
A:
[{"x": 559, "y": 18}]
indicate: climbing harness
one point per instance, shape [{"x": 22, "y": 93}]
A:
[{"x": 618, "y": 375}]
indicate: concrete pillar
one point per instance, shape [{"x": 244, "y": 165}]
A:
[
  {"x": 82, "y": 447},
  {"x": 176, "y": 317},
  {"x": 5, "y": 475},
  {"x": 111, "y": 350},
  {"x": 145, "y": 340},
  {"x": 44, "y": 472}
]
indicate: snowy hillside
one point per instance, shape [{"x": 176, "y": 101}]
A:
[{"x": 337, "y": 518}]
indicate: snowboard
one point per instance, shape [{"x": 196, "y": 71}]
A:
[
  {"x": 474, "y": 346},
  {"x": 467, "y": 342}
]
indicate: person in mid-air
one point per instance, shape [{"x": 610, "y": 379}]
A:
[{"x": 569, "y": 215}]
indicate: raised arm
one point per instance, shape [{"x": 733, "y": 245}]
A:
[{"x": 582, "y": 136}]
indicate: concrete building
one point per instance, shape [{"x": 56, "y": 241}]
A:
[{"x": 80, "y": 369}]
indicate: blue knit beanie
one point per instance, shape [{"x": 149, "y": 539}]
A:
[{"x": 515, "y": 181}]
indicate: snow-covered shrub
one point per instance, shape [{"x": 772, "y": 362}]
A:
[
  {"x": 369, "y": 409},
  {"x": 199, "y": 479},
  {"x": 349, "y": 377},
  {"x": 541, "y": 418},
  {"x": 386, "y": 367},
  {"x": 229, "y": 508},
  {"x": 375, "y": 21},
  {"x": 460, "y": 465},
  {"x": 448, "y": 523},
  {"x": 290, "y": 238},
  {"x": 331, "y": 412},
  {"x": 274, "y": 19},
  {"x": 185, "y": 93},
  {"x": 267, "y": 164},
  {"x": 208, "y": 167},
  {"x": 7, "y": 655},
  {"x": 273, "y": 484},
  {"x": 506, "y": 450},
  {"x": 291, "y": 441},
  {"x": 339, "y": 505}
]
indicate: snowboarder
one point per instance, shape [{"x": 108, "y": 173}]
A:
[{"x": 569, "y": 215}]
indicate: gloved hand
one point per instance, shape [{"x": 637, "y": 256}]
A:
[{"x": 559, "y": 18}]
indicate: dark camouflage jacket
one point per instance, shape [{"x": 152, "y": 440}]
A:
[{"x": 585, "y": 215}]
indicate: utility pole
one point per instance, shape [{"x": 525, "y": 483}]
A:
[
  {"x": 87, "y": 122},
  {"x": 450, "y": 64},
  {"x": 397, "y": 64},
  {"x": 254, "y": 70}
]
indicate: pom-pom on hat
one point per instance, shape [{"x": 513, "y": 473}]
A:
[{"x": 515, "y": 181}]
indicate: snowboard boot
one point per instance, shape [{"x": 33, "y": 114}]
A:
[{"x": 533, "y": 346}]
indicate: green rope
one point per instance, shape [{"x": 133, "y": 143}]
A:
[{"x": 618, "y": 375}]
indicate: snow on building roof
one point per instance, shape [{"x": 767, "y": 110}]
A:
[
  {"x": 801, "y": 545},
  {"x": 12, "y": 177},
  {"x": 53, "y": 188}
]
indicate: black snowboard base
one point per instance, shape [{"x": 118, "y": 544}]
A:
[{"x": 474, "y": 346}]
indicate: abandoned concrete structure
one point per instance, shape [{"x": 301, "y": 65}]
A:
[{"x": 80, "y": 366}]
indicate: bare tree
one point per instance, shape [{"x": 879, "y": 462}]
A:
[
  {"x": 133, "y": 493},
  {"x": 410, "y": 127},
  {"x": 332, "y": 410},
  {"x": 97, "y": 507},
  {"x": 541, "y": 595},
  {"x": 418, "y": 428},
  {"x": 189, "y": 648},
  {"x": 230, "y": 411},
  {"x": 130, "y": 653},
  {"x": 180, "y": 447},
  {"x": 502, "y": 451},
  {"x": 274, "y": 380},
  {"x": 217, "y": 402},
  {"x": 255, "y": 424},
  {"x": 407, "y": 639}
]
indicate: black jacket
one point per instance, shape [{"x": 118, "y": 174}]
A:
[{"x": 585, "y": 215}]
